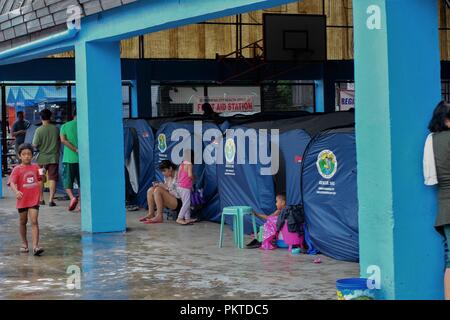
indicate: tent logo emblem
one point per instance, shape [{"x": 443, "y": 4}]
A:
[
  {"x": 162, "y": 144},
  {"x": 230, "y": 150},
  {"x": 326, "y": 164}
]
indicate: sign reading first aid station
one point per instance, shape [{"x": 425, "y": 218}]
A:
[{"x": 223, "y": 104}]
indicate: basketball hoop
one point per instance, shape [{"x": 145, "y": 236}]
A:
[{"x": 295, "y": 38}]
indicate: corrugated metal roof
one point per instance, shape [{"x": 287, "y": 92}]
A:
[{"x": 22, "y": 21}]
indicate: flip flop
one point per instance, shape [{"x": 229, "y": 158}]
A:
[
  {"x": 185, "y": 224},
  {"x": 143, "y": 219},
  {"x": 24, "y": 250},
  {"x": 151, "y": 222},
  {"x": 73, "y": 204},
  {"x": 37, "y": 251}
]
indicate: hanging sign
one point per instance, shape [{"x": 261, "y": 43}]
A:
[
  {"x": 347, "y": 100},
  {"x": 225, "y": 104}
]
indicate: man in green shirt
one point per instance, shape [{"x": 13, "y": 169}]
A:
[
  {"x": 69, "y": 138},
  {"x": 46, "y": 140}
]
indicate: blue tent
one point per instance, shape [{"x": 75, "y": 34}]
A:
[
  {"x": 52, "y": 94},
  {"x": 242, "y": 184},
  {"x": 205, "y": 175},
  {"x": 11, "y": 97},
  {"x": 292, "y": 146},
  {"x": 247, "y": 186},
  {"x": 330, "y": 194},
  {"x": 139, "y": 144}
]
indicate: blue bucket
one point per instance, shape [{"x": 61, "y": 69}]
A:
[
  {"x": 281, "y": 244},
  {"x": 354, "y": 289}
]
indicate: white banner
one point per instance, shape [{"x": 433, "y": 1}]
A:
[
  {"x": 347, "y": 100},
  {"x": 225, "y": 104}
]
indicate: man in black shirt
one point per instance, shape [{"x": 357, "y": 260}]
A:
[{"x": 19, "y": 129}]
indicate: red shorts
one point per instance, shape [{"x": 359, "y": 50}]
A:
[{"x": 52, "y": 171}]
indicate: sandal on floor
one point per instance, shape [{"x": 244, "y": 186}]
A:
[
  {"x": 24, "y": 250},
  {"x": 151, "y": 222},
  {"x": 144, "y": 219},
  {"x": 37, "y": 251},
  {"x": 185, "y": 224}
]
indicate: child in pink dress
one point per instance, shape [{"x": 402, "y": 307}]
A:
[
  {"x": 185, "y": 180},
  {"x": 270, "y": 232}
]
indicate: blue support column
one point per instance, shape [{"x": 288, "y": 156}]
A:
[
  {"x": 397, "y": 73},
  {"x": 320, "y": 102},
  {"x": 100, "y": 136},
  {"x": 134, "y": 100}
]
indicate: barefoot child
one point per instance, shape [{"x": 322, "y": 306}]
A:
[
  {"x": 270, "y": 227},
  {"x": 25, "y": 183},
  {"x": 185, "y": 179}
]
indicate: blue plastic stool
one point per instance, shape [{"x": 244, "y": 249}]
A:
[
  {"x": 242, "y": 212},
  {"x": 234, "y": 212}
]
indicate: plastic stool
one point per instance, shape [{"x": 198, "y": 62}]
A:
[
  {"x": 291, "y": 238},
  {"x": 242, "y": 212},
  {"x": 234, "y": 212}
]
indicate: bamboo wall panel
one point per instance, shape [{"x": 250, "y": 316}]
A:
[
  {"x": 129, "y": 49},
  {"x": 220, "y": 39},
  {"x": 308, "y": 7},
  {"x": 339, "y": 12},
  {"x": 157, "y": 45},
  {"x": 444, "y": 23},
  {"x": 191, "y": 42},
  {"x": 68, "y": 54}
]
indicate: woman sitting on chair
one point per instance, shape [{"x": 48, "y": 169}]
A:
[{"x": 163, "y": 195}]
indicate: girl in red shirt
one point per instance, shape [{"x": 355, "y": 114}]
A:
[{"x": 25, "y": 181}]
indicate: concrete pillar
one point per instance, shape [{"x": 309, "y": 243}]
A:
[
  {"x": 100, "y": 136},
  {"x": 397, "y": 75}
]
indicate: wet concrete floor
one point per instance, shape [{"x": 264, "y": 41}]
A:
[{"x": 163, "y": 261}]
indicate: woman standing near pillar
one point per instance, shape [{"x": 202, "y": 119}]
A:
[{"x": 438, "y": 147}]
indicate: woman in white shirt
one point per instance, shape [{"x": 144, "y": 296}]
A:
[{"x": 163, "y": 195}]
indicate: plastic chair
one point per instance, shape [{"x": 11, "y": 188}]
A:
[
  {"x": 234, "y": 212},
  {"x": 242, "y": 212},
  {"x": 238, "y": 213}
]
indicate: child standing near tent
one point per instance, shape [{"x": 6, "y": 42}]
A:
[
  {"x": 185, "y": 180},
  {"x": 25, "y": 183},
  {"x": 270, "y": 227}
]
